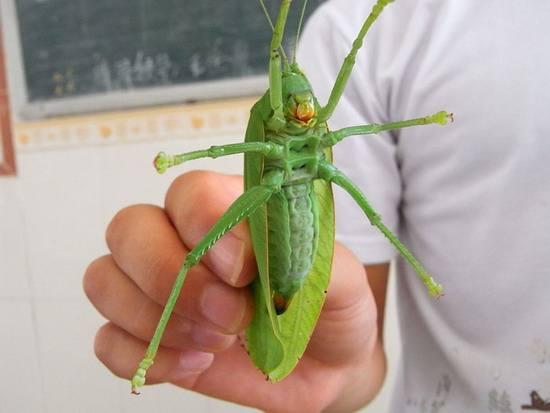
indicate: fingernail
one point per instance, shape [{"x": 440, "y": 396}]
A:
[
  {"x": 192, "y": 363},
  {"x": 227, "y": 257},
  {"x": 223, "y": 307},
  {"x": 211, "y": 340}
]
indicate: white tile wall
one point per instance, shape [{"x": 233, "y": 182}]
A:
[
  {"x": 72, "y": 382},
  {"x": 21, "y": 384},
  {"x": 59, "y": 202},
  {"x": 14, "y": 280},
  {"x": 52, "y": 221}
]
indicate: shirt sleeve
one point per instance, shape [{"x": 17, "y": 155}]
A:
[{"x": 368, "y": 160}]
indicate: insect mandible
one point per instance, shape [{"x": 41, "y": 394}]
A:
[{"x": 288, "y": 203}]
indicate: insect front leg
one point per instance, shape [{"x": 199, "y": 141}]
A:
[
  {"x": 330, "y": 173},
  {"x": 277, "y": 120},
  {"x": 349, "y": 62},
  {"x": 245, "y": 205},
  {"x": 164, "y": 161},
  {"x": 332, "y": 138}
]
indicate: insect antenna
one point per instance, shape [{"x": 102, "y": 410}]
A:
[
  {"x": 299, "y": 30},
  {"x": 268, "y": 17}
]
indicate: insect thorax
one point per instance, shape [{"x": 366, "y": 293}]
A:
[
  {"x": 301, "y": 154},
  {"x": 292, "y": 212}
]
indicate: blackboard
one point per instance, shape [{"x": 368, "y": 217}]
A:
[{"x": 74, "y": 48}]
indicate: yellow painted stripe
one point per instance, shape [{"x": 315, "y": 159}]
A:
[{"x": 163, "y": 122}]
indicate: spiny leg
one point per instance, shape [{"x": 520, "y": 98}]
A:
[
  {"x": 164, "y": 161},
  {"x": 332, "y": 138},
  {"x": 277, "y": 121},
  {"x": 349, "y": 62},
  {"x": 330, "y": 173},
  {"x": 245, "y": 205}
]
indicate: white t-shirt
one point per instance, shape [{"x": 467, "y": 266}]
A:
[{"x": 471, "y": 199}]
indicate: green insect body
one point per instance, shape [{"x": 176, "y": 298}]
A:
[
  {"x": 288, "y": 203},
  {"x": 293, "y": 225},
  {"x": 292, "y": 218}
]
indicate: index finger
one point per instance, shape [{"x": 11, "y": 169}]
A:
[{"x": 194, "y": 202}]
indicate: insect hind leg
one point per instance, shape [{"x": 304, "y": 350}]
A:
[
  {"x": 330, "y": 173},
  {"x": 245, "y": 205}
]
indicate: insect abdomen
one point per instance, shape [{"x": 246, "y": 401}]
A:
[{"x": 292, "y": 235}]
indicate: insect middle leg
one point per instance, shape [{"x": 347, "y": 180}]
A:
[
  {"x": 164, "y": 161},
  {"x": 332, "y": 138},
  {"x": 330, "y": 173},
  {"x": 245, "y": 205}
]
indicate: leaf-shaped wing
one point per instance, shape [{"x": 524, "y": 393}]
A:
[
  {"x": 264, "y": 347},
  {"x": 276, "y": 343}
]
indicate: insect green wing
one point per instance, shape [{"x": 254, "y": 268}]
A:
[
  {"x": 277, "y": 342},
  {"x": 264, "y": 346}
]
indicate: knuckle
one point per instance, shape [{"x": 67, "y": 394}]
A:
[
  {"x": 157, "y": 268},
  {"x": 206, "y": 339},
  {"x": 226, "y": 309},
  {"x": 193, "y": 184},
  {"x": 125, "y": 222},
  {"x": 160, "y": 280},
  {"x": 158, "y": 291},
  {"x": 210, "y": 193},
  {"x": 193, "y": 202},
  {"x": 196, "y": 200},
  {"x": 116, "y": 226},
  {"x": 140, "y": 327},
  {"x": 102, "y": 344},
  {"x": 94, "y": 282},
  {"x": 203, "y": 192}
]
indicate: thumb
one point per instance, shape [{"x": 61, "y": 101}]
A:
[{"x": 348, "y": 323}]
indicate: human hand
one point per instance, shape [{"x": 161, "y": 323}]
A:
[{"x": 342, "y": 367}]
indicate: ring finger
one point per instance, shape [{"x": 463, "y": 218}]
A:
[{"x": 117, "y": 298}]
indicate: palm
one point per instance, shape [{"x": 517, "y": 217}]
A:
[
  {"x": 130, "y": 286},
  {"x": 345, "y": 333}
]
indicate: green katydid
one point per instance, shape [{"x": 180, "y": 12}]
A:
[{"x": 288, "y": 203}]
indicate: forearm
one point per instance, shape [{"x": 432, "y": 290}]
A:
[{"x": 362, "y": 382}]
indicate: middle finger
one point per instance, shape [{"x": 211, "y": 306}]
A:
[
  {"x": 117, "y": 298},
  {"x": 147, "y": 248}
]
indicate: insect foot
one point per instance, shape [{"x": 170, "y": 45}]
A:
[
  {"x": 442, "y": 118},
  {"x": 139, "y": 377},
  {"x": 162, "y": 162},
  {"x": 434, "y": 289}
]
